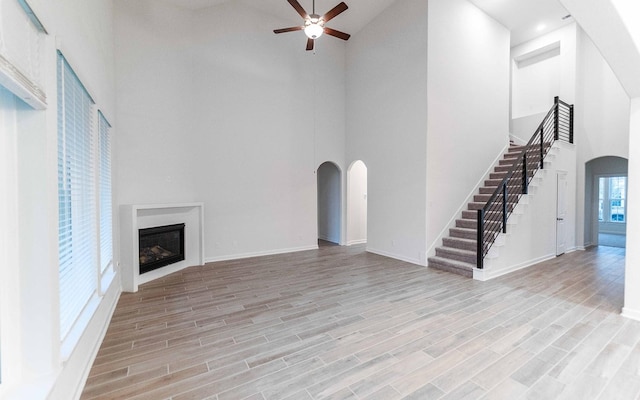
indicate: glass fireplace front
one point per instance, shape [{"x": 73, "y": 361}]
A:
[{"x": 160, "y": 246}]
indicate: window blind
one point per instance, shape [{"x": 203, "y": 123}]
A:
[
  {"x": 106, "y": 245},
  {"x": 76, "y": 193}
]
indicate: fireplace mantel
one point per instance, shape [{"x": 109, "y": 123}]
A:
[{"x": 139, "y": 216}]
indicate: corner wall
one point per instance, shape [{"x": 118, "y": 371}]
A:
[
  {"x": 215, "y": 108},
  {"x": 468, "y": 106},
  {"x": 601, "y": 122},
  {"x": 386, "y": 83}
]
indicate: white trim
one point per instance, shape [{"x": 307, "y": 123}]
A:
[
  {"x": 79, "y": 326},
  {"x": 487, "y": 274},
  {"x": 396, "y": 256},
  {"x": 354, "y": 242},
  {"x": 631, "y": 314},
  {"x": 21, "y": 86},
  {"x": 98, "y": 342},
  {"x": 259, "y": 254}
]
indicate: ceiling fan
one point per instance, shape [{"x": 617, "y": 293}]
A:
[{"x": 314, "y": 24}]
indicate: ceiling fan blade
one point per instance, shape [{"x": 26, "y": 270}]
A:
[
  {"x": 310, "y": 44},
  {"x": 335, "y": 33},
  {"x": 292, "y": 29},
  {"x": 335, "y": 11},
  {"x": 299, "y": 9}
]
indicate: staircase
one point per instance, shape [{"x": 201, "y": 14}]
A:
[
  {"x": 486, "y": 216},
  {"x": 458, "y": 253}
]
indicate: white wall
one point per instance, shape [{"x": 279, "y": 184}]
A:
[
  {"x": 535, "y": 84},
  {"x": 632, "y": 260},
  {"x": 468, "y": 105},
  {"x": 357, "y": 203},
  {"x": 83, "y": 31},
  {"x": 601, "y": 123},
  {"x": 387, "y": 125},
  {"x": 10, "y": 342},
  {"x": 329, "y": 203},
  {"x": 226, "y": 114}
]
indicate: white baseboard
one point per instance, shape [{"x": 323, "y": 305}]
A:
[
  {"x": 631, "y": 314},
  {"x": 354, "y": 242},
  {"x": 259, "y": 254},
  {"x": 487, "y": 273},
  {"x": 396, "y": 256}
]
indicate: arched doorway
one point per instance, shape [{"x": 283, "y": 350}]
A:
[
  {"x": 329, "y": 202},
  {"x": 357, "y": 203},
  {"x": 606, "y": 201}
]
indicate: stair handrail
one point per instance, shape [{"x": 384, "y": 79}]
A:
[{"x": 556, "y": 125}]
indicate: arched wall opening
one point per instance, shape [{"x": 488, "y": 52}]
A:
[
  {"x": 357, "y": 203},
  {"x": 605, "y": 201},
  {"x": 329, "y": 202}
]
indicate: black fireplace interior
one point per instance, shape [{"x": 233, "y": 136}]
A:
[{"x": 160, "y": 246}]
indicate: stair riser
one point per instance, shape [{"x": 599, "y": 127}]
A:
[
  {"x": 466, "y": 223},
  {"x": 457, "y": 244},
  {"x": 483, "y": 198},
  {"x": 516, "y": 174},
  {"x": 465, "y": 273},
  {"x": 471, "y": 259},
  {"x": 472, "y": 215},
  {"x": 463, "y": 234},
  {"x": 533, "y": 165}
]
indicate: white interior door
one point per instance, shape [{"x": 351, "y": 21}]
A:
[{"x": 561, "y": 212}]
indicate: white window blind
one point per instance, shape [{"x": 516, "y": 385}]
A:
[
  {"x": 106, "y": 245},
  {"x": 77, "y": 228}
]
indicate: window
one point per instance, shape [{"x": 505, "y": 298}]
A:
[
  {"x": 612, "y": 193},
  {"x": 85, "y": 240},
  {"x": 78, "y": 213}
]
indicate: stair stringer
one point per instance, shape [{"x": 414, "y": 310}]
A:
[
  {"x": 431, "y": 250},
  {"x": 531, "y": 229}
]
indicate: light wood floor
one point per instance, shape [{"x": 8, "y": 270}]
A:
[{"x": 340, "y": 323}]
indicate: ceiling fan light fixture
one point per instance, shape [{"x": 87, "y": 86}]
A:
[{"x": 313, "y": 27}]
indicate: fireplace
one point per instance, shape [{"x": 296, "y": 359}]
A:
[{"x": 160, "y": 246}]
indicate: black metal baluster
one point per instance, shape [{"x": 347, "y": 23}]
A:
[
  {"x": 556, "y": 118},
  {"x": 542, "y": 147},
  {"x": 480, "y": 239},
  {"x": 504, "y": 207},
  {"x": 525, "y": 181},
  {"x": 571, "y": 123}
]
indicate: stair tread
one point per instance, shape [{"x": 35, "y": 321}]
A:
[
  {"x": 470, "y": 241},
  {"x": 453, "y": 263},
  {"x": 462, "y": 229},
  {"x": 457, "y": 250}
]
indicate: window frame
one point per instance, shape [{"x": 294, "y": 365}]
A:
[
  {"x": 94, "y": 204},
  {"x": 605, "y": 201}
]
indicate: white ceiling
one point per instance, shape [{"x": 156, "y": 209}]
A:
[{"x": 522, "y": 17}]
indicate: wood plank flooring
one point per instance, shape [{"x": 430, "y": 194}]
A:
[{"x": 341, "y": 323}]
